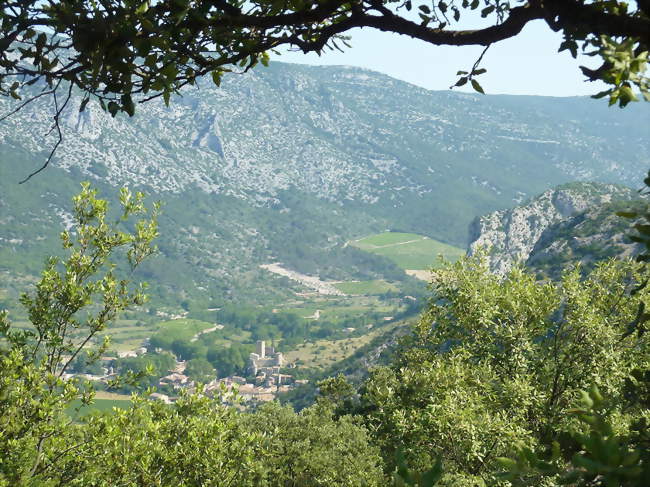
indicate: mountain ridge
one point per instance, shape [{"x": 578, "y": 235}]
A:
[{"x": 288, "y": 163}]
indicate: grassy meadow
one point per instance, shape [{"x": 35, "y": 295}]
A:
[{"x": 409, "y": 250}]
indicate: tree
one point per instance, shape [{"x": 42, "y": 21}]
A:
[
  {"x": 312, "y": 448},
  {"x": 498, "y": 362},
  {"x": 229, "y": 360},
  {"x": 200, "y": 370},
  {"x": 121, "y": 52},
  {"x": 186, "y": 350},
  {"x": 605, "y": 457},
  {"x": 73, "y": 303},
  {"x": 195, "y": 441}
]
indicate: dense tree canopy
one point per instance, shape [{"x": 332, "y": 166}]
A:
[
  {"x": 127, "y": 51},
  {"x": 495, "y": 363}
]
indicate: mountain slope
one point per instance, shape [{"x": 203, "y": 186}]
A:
[{"x": 290, "y": 162}]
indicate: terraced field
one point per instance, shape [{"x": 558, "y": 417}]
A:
[{"x": 409, "y": 250}]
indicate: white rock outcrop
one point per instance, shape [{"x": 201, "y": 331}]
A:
[{"x": 510, "y": 236}]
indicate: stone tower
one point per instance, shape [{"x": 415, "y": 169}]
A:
[{"x": 261, "y": 348}]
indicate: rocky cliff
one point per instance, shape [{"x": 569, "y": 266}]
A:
[{"x": 543, "y": 230}]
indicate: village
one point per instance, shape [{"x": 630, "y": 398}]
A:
[{"x": 263, "y": 382}]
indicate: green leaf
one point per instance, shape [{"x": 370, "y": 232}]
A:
[
  {"x": 113, "y": 108},
  {"x": 216, "y": 77},
  {"x": 602, "y": 94},
  {"x": 507, "y": 463},
  {"x": 477, "y": 87},
  {"x": 142, "y": 8},
  {"x": 128, "y": 105},
  {"x": 487, "y": 10}
]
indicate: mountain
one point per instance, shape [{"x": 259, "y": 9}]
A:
[
  {"x": 290, "y": 162},
  {"x": 563, "y": 226}
]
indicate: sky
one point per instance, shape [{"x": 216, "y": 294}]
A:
[{"x": 527, "y": 64}]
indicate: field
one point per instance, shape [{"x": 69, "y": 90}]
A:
[
  {"x": 365, "y": 287},
  {"x": 324, "y": 353},
  {"x": 104, "y": 401},
  {"x": 182, "y": 329},
  {"x": 338, "y": 309},
  {"x": 409, "y": 250}
]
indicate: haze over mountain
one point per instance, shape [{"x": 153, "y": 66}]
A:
[{"x": 290, "y": 162}]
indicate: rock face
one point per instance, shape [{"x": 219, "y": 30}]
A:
[{"x": 529, "y": 230}]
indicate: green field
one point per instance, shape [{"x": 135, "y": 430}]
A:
[
  {"x": 365, "y": 287},
  {"x": 184, "y": 328},
  {"x": 98, "y": 405},
  {"x": 408, "y": 250}
]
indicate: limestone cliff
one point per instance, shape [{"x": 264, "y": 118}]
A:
[{"x": 542, "y": 228}]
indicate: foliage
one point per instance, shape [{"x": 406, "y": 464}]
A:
[
  {"x": 82, "y": 365},
  {"x": 230, "y": 360},
  {"x": 312, "y": 448},
  {"x": 149, "y": 367},
  {"x": 200, "y": 370},
  {"x": 124, "y": 51},
  {"x": 494, "y": 362},
  {"x": 404, "y": 476},
  {"x": 74, "y": 301},
  {"x": 196, "y": 441},
  {"x": 604, "y": 457},
  {"x": 642, "y": 227}
]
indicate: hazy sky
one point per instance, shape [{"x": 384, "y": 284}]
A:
[{"x": 528, "y": 64}]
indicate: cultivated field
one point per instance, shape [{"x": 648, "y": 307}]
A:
[
  {"x": 324, "y": 353},
  {"x": 409, "y": 250},
  {"x": 365, "y": 287}
]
